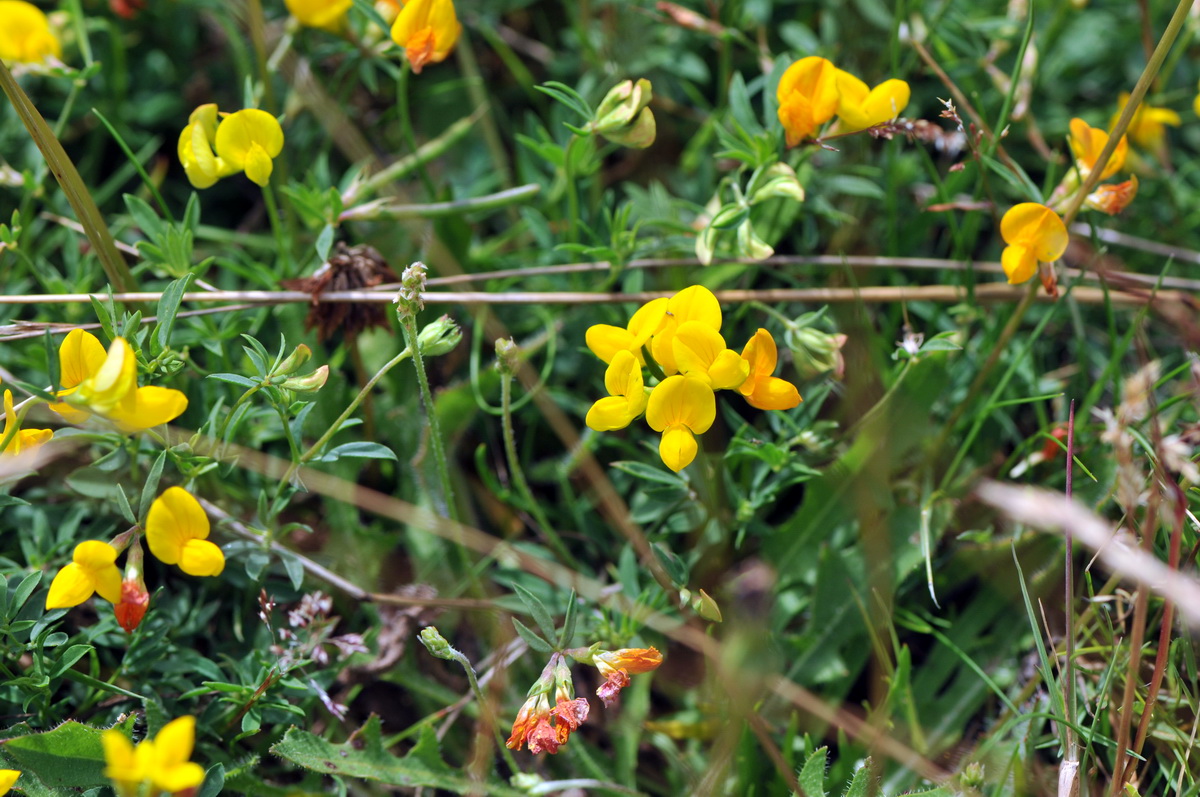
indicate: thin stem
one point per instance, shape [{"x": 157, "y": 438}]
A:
[
  {"x": 408, "y": 323},
  {"x": 281, "y": 244},
  {"x": 1069, "y": 604},
  {"x": 406, "y": 126},
  {"x": 518, "y": 473},
  {"x": 572, "y": 193},
  {"x": 486, "y": 707}
]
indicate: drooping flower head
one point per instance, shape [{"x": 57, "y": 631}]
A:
[
  {"x": 860, "y": 107},
  {"x": 162, "y": 762},
  {"x": 247, "y": 140},
  {"x": 92, "y": 569},
  {"x": 327, "y": 15},
  {"x": 105, "y": 384},
  {"x": 680, "y": 407},
  {"x": 1086, "y": 145},
  {"x": 25, "y": 34},
  {"x": 1114, "y": 198},
  {"x": 177, "y": 534},
  {"x": 808, "y": 97},
  {"x": 617, "y": 665},
  {"x": 542, "y": 727},
  {"x": 20, "y": 439},
  {"x": 1034, "y": 233},
  {"x": 427, "y": 30},
  {"x": 761, "y": 388},
  {"x": 626, "y": 398}
]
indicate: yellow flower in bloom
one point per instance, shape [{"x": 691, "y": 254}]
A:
[
  {"x": 325, "y": 14},
  {"x": 700, "y": 352},
  {"x": 427, "y": 30},
  {"x": 761, "y": 389},
  {"x": 1147, "y": 128},
  {"x": 248, "y": 140},
  {"x": 163, "y": 763},
  {"x": 1033, "y": 233},
  {"x": 860, "y": 107},
  {"x": 617, "y": 665},
  {"x": 93, "y": 569},
  {"x": 22, "y": 439},
  {"x": 177, "y": 533},
  {"x": 25, "y": 34},
  {"x": 696, "y": 303},
  {"x": 1112, "y": 199},
  {"x": 195, "y": 148},
  {"x": 680, "y": 407},
  {"x": 626, "y": 398},
  {"x": 808, "y": 97},
  {"x": 106, "y": 384},
  {"x": 606, "y": 340},
  {"x": 7, "y": 778},
  {"x": 1086, "y": 144}
]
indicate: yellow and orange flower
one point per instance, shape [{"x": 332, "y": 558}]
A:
[
  {"x": 427, "y": 30},
  {"x": 808, "y": 97},
  {"x": 617, "y": 665},
  {"x": 1086, "y": 144},
  {"x": 1034, "y": 233}
]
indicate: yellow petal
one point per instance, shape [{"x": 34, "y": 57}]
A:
[
  {"x": 201, "y": 558},
  {"x": 696, "y": 303},
  {"x": 647, "y": 321},
  {"x": 696, "y": 346},
  {"x": 80, "y": 355},
  {"x": 815, "y": 79},
  {"x": 772, "y": 393},
  {"x": 25, "y": 35},
  {"x": 1019, "y": 264},
  {"x": 325, "y": 14},
  {"x": 605, "y": 340},
  {"x": 609, "y": 414},
  {"x": 677, "y": 448},
  {"x": 174, "y": 518},
  {"x": 114, "y": 381},
  {"x": 71, "y": 586},
  {"x": 760, "y": 353},
  {"x": 623, "y": 377},
  {"x": 151, "y": 406},
  {"x": 7, "y": 778},
  {"x": 173, "y": 744},
  {"x": 258, "y": 165},
  {"x": 1036, "y": 227},
  {"x": 239, "y": 132},
  {"x": 728, "y": 370},
  {"x": 681, "y": 401}
]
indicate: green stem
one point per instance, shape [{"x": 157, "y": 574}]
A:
[
  {"x": 425, "y": 153},
  {"x": 408, "y": 323},
  {"x": 485, "y": 707},
  {"x": 381, "y": 210},
  {"x": 518, "y": 473},
  {"x": 572, "y": 192},
  {"x": 316, "y": 447},
  {"x": 406, "y": 126},
  {"x": 281, "y": 245}
]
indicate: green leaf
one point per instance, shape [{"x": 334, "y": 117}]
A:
[
  {"x": 70, "y": 756},
  {"x": 644, "y": 472},
  {"x": 359, "y": 450},
  {"x": 214, "y": 781},
  {"x": 533, "y": 640},
  {"x": 325, "y": 242},
  {"x": 235, "y": 379},
  {"x": 363, "y": 756},
  {"x": 151, "y": 486},
  {"x": 168, "y": 308},
  {"x": 860, "y": 781},
  {"x": 537, "y": 609},
  {"x": 811, "y": 776},
  {"x": 568, "y": 629},
  {"x": 68, "y": 659},
  {"x": 23, "y": 591}
]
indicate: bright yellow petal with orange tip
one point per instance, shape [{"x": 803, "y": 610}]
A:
[
  {"x": 678, "y": 447},
  {"x": 7, "y": 778},
  {"x": 201, "y": 558},
  {"x": 446, "y": 28},
  {"x": 92, "y": 569},
  {"x": 1019, "y": 264},
  {"x": 427, "y": 30},
  {"x": 681, "y": 400},
  {"x": 605, "y": 340},
  {"x": 1112, "y": 199},
  {"x": 633, "y": 661},
  {"x": 815, "y": 79},
  {"x": 796, "y": 115},
  {"x": 146, "y": 407},
  {"x": 80, "y": 355},
  {"x": 174, "y": 518}
]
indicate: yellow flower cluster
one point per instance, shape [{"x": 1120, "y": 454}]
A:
[
  {"x": 25, "y": 34},
  {"x": 813, "y": 90},
  {"x": 682, "y": 335},
  {"x": 176, "y": 533},
  {"x": 162, "y": 763},
  {"x": 244, "y": 140}
]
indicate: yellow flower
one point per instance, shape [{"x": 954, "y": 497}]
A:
[
  {"x": 325, "y": 14},
  {"x": 248, "y": 140},
  {"x": 427, "y": 30},
  {"x": 1147, "y": 128},
  {"x": 163, "y": 762},
  {"x": 860, "y": 107},
  {"x": 808, "y": 97},
  {"x": 25, "y": 35},
  {"x": 626, "y": 395},
  {"x": 606, "y": 340},
  {"x": 93, "y": 569},
  {"x": 1086, "y": 144},
  {"x": 696, "y": 303},
  {"x": 195, "y": 148},
  {"x": 700, "y": 352},
  {"x": 177, "y": 534},
  {"x": 22, "y": 439},
  {"x": 1033, "y": 233},
  {"x": 680, "y": 407},
  {"x": 761, "y": 389},
  {"x": 106, "y": 384},
  {"x": 7, "y": 778}
]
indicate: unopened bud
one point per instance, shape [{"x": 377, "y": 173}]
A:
[
  {"x": 750, "y": 245},
  {"x": 412, "y": 286},
  {"x": 435, "y": 643},
  {"x": 293, "y": 362},
  {"x": 706, "y": 607},
  {"x": 816, "y": 352},
  {"x": 309, "y": 383},
  {"x": 439, "y": 337},
  {"x": 623, "y": 117},
  {"x": 506, "y": 356},
  {"x": 780, "y": 181}
]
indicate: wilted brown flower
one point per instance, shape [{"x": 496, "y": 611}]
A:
[{"x": 350, "y": 268}]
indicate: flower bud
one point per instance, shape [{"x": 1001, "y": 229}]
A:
[
  {"x": 704, "y": 605},
  {"x": 816, "y": 352},
  {"x": 780, "y": 181},
  {"x": 435, "y": 643},
  {"x": 623, "y": 117},
  {"x": 412, "y": 285},
  {"x": 750, "y": 245},
  {"x": 506, "y": 356},
  {"x": 439, "y": 337},
  {"x": 135, "y": 598},
  {"x": 308, "y": 384},
  {"x": 299, "y": 356}
]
